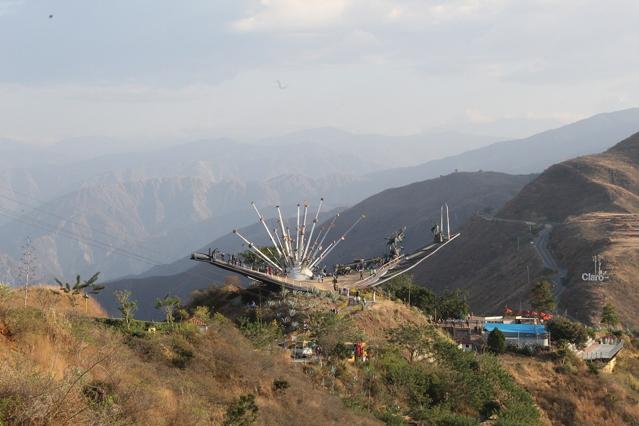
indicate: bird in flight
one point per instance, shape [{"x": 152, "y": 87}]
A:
[
  {"x": 280, "y": 85},
  {"x": 50, "y": 16}
]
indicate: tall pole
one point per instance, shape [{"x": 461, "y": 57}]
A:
[
  {"x": 277, "y": 236},
  {"x": 447, "y": 221},
  {"x": 267, "y": 230},
  {"x": 319, "y": 246},
  {"x": 258, "y": 251},
  {"x": 286, "y": 244},
  {"x": 302, "y": 231},
  {"x": 297, "y": 236},
  {"x": 335, "y": 244},
  {"x": 310, "y": 236}
]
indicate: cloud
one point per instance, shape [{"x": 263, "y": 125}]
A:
[
  {"x": 292, "y": 15},
  {"x": 318, "y": 15},
  {"x": 7, "y": 6}
]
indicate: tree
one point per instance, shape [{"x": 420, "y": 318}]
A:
[
  {"x": 202, "y": 313},
  {"x": 412, "y": 338},
  {"x": 126, "y": 306},
  {"x": 453, "y": 305},
  {"x": 542, "y": 297},
  {"x": 28, "y": 267},
  {"x": 609, "y": 315},
  {"x": 564, "y": 330},
  {"x": 448, "y": 305},
  {"x": 80, "y": 288},
  {"x": 168, "y": 305},
  {"x": 497, "y": 341}
]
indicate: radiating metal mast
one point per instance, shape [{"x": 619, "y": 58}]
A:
[{"x": 297, "y": 254}]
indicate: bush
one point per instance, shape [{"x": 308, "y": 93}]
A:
[
  {"x": 497, "y": 341},
  {"x": 242, "y": 412},
  {"x": 564, "y": 330},
  {"x": 261, "y": 333},
  {"x": 280, "y": 385},
  {"x": 490, "y": 409},
  {"x": 342, "y": 351},
  {"x": 98, "y": 392},
  {"x": 182, "y": 356}
]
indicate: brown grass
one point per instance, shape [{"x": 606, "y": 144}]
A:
[
  {"x": 568, "y": 393},
  {"x": 50, "y": 358}
]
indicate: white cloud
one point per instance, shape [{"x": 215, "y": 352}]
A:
[
  {"x": 292, "y": 15},
  {"x": 314, "y": 15}
]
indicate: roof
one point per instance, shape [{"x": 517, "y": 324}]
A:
[
  {"x": 517, "y": 328},
  {"x": 198, "y": 322}
]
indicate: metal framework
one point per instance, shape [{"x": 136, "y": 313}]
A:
[
  {"x": 295, "y": 260},
  {"x": 296, "y": 256}
]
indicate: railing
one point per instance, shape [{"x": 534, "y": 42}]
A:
[{"x": 607, "y": 353}]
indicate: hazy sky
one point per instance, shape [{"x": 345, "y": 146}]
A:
[{"x": 134, "y": 69}]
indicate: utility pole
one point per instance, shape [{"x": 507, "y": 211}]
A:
[
  {"x": 27, "y": 267},
  {"x": 528, "y": 272}
]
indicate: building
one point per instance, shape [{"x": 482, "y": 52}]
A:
[{"x": 521, "y": 335}]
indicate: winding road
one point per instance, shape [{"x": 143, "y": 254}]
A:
[{"x": 540, "y": 243}]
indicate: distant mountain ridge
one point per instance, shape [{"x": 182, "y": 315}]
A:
[
  {"x": 529, "y": 155},
  {"x": 320, "y": 162},
  {"x": 592, "y": 204}
]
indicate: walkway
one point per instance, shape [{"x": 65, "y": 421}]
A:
[{"x": 391, "y": 269}]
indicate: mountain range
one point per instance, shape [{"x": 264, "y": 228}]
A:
[{"x": 123, "y": 212}]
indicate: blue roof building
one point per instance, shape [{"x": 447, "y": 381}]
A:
[{"x": 521, "y": 335}]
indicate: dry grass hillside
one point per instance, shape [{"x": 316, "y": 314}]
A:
[
  {"x": 61, "y": 366},
  {"x": 592, "y": 203},
  {"x": 487, "y": 264},
  {"x": 570, "y": 393},
  {"x": 565, "y": 390}
]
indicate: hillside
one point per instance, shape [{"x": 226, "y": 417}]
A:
[
  {"x": 415, "y": 206},
  {"x": 91, "y": 371},
  {"x": 240, "y": 368},
  {"x": 528, "y": 155},
  {"x": 592, "y": 204}
]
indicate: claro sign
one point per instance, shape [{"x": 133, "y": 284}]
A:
[
  {"x": 600, "y": 275},
  {"x": 587, "y": 276}
]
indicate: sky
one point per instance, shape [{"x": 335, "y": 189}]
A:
[{"x": 176, "y": 70}]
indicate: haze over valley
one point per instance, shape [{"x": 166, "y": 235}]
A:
[{"x": 319, "y": 212}]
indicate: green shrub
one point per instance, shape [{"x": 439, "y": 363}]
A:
[
  {"x": 260, "y": 333},
  {"x": 497, "y": 341},
  {"x": 242, "y": 412},
  {"x": 564, "y": 330}
]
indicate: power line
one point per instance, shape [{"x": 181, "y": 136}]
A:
[
  {"x": 92, "y": 242},
  {"x": 42, "y": 210}
]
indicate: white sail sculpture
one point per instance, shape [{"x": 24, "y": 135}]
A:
[{"x": 296, "y": 254}]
